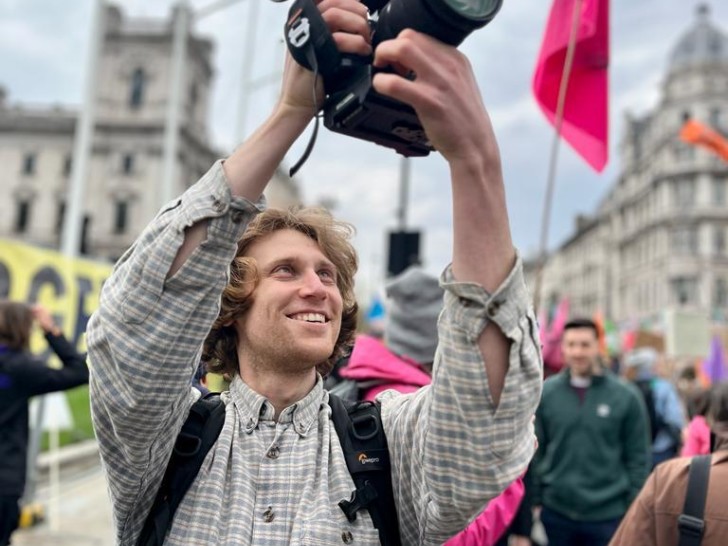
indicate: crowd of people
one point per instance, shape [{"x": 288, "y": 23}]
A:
[{"x": 474, "y": 445}]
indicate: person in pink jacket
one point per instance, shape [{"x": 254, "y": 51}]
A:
[
  {"x": 403, "y": 362},
  {"x": 696, "y": 438}
]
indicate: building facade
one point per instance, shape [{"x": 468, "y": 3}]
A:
[
  {"x": 659, "y": 239},
  {"x": 123, "y": 186}
]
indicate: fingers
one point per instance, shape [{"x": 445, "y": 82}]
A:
[{"x": 347, "y": 21}]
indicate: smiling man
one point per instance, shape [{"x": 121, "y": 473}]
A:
[
  {"x": 268, "y": 297},
  {"x": 593, "y": 452}
]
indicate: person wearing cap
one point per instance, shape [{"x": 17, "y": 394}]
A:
[
  {"x": 664, "y": 408},
  {"x": 652, "y": 520},
  {"x": 593, "y": 445}
]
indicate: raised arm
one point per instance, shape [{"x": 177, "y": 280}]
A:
[
  {"x": 447, "y": 100},
  {"x": 471, "y": 429}
]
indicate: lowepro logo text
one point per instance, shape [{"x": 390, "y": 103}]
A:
[{"x": 364, "y": 459}]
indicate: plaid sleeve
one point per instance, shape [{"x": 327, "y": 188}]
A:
[
  {"x": 145, "y": 340},
  {"x": 452, "y": 449}
]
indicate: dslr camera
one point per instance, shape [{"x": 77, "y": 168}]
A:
[{"x": 351, "y": 105}]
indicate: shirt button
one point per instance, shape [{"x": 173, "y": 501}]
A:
[
  {"x": 217, "y": 205},
  {"x": 250, "y": 426},
  {"x": 273, "y": 452},
  {"x": 493, "y": 308},
  {"x": 238, "y": 216},
  {"x": 347, "y": 537},
  {"x": 269, "y": 515}
]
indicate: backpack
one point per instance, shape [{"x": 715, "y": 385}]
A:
[
  {"x": 648, "y": 395},
  {"x": 690, "y": 523},
  {"x": 360, "y": 431},
  {"x": 351, "y": 390}
]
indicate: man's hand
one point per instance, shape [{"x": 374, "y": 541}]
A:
[
  {"x": 347, "y": 21},
  {"x": 444, "y": 94}
]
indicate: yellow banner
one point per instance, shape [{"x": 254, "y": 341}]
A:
[{"x": 68, "y": 288}]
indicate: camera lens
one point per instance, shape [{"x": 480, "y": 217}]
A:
[
  {"x": 474, "y": 9},
  {"x": 450, "y": 21}
]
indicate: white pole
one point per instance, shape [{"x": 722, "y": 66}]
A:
[
  {"x": 83, "y": 140},
  {"x": 404, "y": 180},
  {"x": 174, "y": 106},
  {"x": 54, "y": 477},
  {"x": 246, "y": 71}
]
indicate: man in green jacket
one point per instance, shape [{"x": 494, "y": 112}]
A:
[{"x": 593, "y": 454}]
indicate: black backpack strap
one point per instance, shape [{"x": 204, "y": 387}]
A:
[
  {"x": 690, "y": 523},
  {"x": 199, "y": 433},
  {"x": 360, "y": 431}
]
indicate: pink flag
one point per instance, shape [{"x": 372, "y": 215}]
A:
[
  {"x": 552, "y": 357},
  {"x": 585, "y": 115}
]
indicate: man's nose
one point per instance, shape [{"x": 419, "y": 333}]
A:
[{"x": 312, "y": 286}]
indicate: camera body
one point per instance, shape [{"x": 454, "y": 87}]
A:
[{"x": 352, "y": 106}]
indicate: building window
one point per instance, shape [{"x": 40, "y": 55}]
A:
[
  {"x": 684, "y": 290},
  {"x": 715, "y": 118},
  {"x": 719, "y": 191},
  {"x": 60, "y": 215},
  {"x": 720, "y": 294},
  {"x": 719, "y": 241},
  {"x": 193, "y": 99},
  {"x": 29, "y": 161},
  {"x": 138, "y": 81},
  {"x": 67, "y": 165},
  {"x": 22, "y": 216},
  {"x": 685, "y": 240},
  {"x": 121, "y": 217},
  {"x": 684, "y": 193},
  {"x": 683, "y": 152},
  {"x": 127, "y": 164}
]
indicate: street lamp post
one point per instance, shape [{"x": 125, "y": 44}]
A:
[{"x": 83, "y": 140}]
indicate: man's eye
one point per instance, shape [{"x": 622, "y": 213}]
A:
[
  {"x": 327, "y": 275},
  {"x": 283, "y": 269}
]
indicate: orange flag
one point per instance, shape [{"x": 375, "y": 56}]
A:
[{"x": 694, "y": 132}]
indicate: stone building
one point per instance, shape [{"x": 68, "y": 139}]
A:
[
  {"x": 123, "y": 188},
  {"x": 659, "y": 239}
]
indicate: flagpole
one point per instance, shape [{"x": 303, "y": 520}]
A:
[{"x": 551, "y": 180}]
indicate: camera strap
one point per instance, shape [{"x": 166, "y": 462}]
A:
[{"x": 309, "y": 41}]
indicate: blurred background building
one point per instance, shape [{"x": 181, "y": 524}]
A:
[
  {"x": 658, "y": 242},
  {"x": 123, "y": 190}
]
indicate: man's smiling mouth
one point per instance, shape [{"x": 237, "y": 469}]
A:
[{"x": 309, "y": 317}]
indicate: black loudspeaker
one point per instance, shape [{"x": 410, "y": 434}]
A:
[{"x": 404, "y": 251}]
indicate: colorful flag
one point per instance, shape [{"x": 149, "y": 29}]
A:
[
  {"x": 714, "y": 365},
  {"x": 585, "y": 118},
  {"x": 699, "y": 134},
  {"x": 552, "y": 357}
]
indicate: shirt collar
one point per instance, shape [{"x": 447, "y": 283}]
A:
[{"x": 253, "y": 407}]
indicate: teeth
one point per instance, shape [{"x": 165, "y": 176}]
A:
[{"x": 309, "y": 317}]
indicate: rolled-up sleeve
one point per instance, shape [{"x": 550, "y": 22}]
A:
[
  {"x": 452, "y": 449},
  {"x": 145, "y": 339}
]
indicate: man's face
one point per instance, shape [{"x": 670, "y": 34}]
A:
[
  {"x": 295, "y": 317},
  {"x": 581, "y": 349}
]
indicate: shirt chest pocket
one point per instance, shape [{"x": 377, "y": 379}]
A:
[{"x": 328, "y": 533}]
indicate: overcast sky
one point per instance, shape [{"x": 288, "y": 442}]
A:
[{"x": 43, "y": 51}]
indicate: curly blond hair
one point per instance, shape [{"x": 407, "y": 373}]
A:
[{"x": 332, "y": 236}]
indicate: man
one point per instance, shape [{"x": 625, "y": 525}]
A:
[
  {"x": 664, "y": 408},
  {"x": 593, "y": 453},
  {"x": 285, "y": 307},
  {"x": 22, "y": 376},
  {"x": 652, "y": 519}
]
